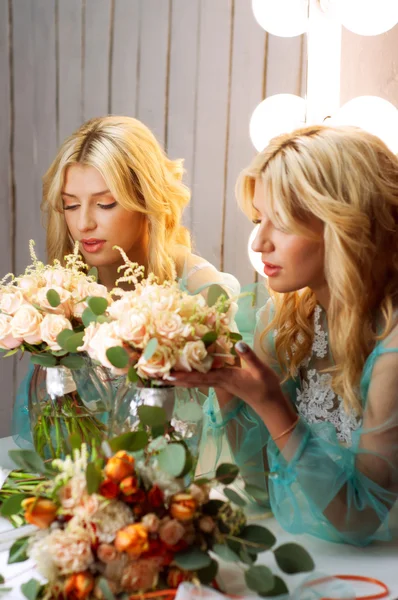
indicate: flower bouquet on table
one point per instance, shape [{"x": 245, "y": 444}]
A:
[
  {"x": 121, "y": 523},
  {"x": 43, "y": 312},
  {"x": 150, "y": 332}
]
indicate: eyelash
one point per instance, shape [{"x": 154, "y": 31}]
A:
[
  {"x": 103, "y": 206},
  {"x": 256, "y": 221}
]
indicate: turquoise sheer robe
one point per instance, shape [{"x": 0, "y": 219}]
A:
[{"x": 337, "y": 476}]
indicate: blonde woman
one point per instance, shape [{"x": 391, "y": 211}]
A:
[
  {"x": 317, "y": 402},
  {"x": 112, "y": 184}
]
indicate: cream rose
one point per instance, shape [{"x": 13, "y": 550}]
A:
[
  {"x": 159, "y": 365},
  {"x": 194, "y": 357},
  {"x": 7, "y": 341},
  {"x": 118, "y": 308},
  {"x": 191, "y": 305},
  {"x": 71, "y": 550},
  {"x": 169, "y": 325},
  {"x": 105, "y": 337},
  {"x": 85, "y": 290},
  {"x": 25, "y": 324},
  {"x": 64, "y": 308},
  {"x": 57, "y": 277},
  {"x": 30, "y": 284},
  {"x": 50, "y": 327},
  {"x": 89, "y": 332},
  {"x": 132, "y": 327},
  {"x": 11, "y": 300}
]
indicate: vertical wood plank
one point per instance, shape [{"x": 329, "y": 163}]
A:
[
  {"x": 246, "y": 93},
  {"x": 97, "y": 20},
  {"x": 183, "y": 86},
  {"x": 211, "y": 128},
  {"x": 70, "y": 99},
  {"x": 284, "y": 65},
  {"x": 6, "y": 198},
  {"x": 124, "y": 57},
  {"x": 153, "y": 66}
]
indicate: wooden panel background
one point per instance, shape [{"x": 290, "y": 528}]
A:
[{"x": 192, "y": 70}]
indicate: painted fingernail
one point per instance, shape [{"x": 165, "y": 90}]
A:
[{"x": 242, "y": 347}]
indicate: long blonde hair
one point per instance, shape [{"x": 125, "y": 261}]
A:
[
  {"x": 348, "y": 179},
  {"x": 139, "y": 176}
]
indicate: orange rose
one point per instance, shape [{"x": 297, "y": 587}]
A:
[
  {"x": 132, "y": 539},
  {"x": 109, "y": 489},
  {"x": 79, "y": 586},
  {"x": 118, "y": 467},
  {"x": 39, "y": 511},
  {"x": 183, "y": 507},
  {"x": 176, "y": 576},
  {"x": 129, "y": 485}
]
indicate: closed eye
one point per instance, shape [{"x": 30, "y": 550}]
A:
[
  {"x": 107, "y": 206},
  {"x": 71, "y": 207}
]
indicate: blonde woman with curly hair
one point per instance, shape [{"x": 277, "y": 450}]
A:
[
  {"x": 316, "y": 403},
  {"x": 111, "y": 184}
]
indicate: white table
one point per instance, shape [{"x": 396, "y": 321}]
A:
[{"x": 379, "y": 561}]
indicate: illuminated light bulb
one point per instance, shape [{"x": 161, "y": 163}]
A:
[
  {"x": 281, "y": 113},
  {"x": 367, "y": 17},
  {"x": 284, "y": 18}
]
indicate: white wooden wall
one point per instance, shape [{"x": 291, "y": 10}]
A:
[{"x": 192, "y": 70}]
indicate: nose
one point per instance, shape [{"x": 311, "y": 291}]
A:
[
  {"x": 86, "y": 220},
  {"x": 262, "y": 242}
]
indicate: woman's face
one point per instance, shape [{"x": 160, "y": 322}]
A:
[
  {"x": 291, "y": 261},
  {"x": 97, "y": 221}
]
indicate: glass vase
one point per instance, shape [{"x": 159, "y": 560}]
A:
[{"x": 63, "y": 402}]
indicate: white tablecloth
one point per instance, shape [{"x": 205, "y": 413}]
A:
[{"x": 379, "y": 561}]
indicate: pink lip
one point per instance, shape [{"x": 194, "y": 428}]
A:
[
  {"x": 271, "y": 270},
  {"x": 92, "y": 245}
]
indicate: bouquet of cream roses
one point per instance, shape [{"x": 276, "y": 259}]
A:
[{"x": 120, "y": 523}]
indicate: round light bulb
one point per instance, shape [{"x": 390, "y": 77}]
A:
[
  {"x": 281, "y": 113},
  {"x": 285, "y": 18},
  {"x": 255, "y": 257},
  {"x": 374, "y": 114},
  {"x": 367, "y": 17}
]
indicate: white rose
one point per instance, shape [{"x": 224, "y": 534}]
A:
[
  {"x": 169, "y": 325},
  {"x": 64, "y": 308},
  {"x": 57, "y": 277},
  {"x": 194, "y": 357},
  {"x": 158, "y": 366},
  {"x": 118, "y": 308},
  {"x": 30, "y": 284},
  {"x": 11, "y": 300},
  {"x": 51, "y": 326},
  {"x": 103, "y": 339},
  {"x": 25, "y": 324},
  {"x": 132, "y": 327},
  {"x": 7, "y": 341}
]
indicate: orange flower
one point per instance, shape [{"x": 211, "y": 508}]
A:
[
  {"x": 39, "y": 511},
  {"x": 183, "y": 507},
  {"x": 176, "y": 576},
  {"x": 132, "y": 539},
  {"x": 79, "y": 586},
  {"x": 118, "y": 467},
  {"x": 155, "y": 497},
  {"x": 129, "y": 485},
  {"x": 109, "y": 489}
]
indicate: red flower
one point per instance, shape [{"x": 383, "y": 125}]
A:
[
  {"x": 109, "y": 489},
  {"x": 157, "y": 549},
  {"x": 155, "y": 497},
  {"x": 137, "y": 498}
]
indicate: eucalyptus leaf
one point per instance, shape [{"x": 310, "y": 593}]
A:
[
  {"x": 152, "y": 416},
  {"x": 93, "y": 272},
  {"x": 212, "y": 507},
  {"x": 257, "y": 493},
  {"x": 235, "y": 337},
  {"x": 293, "y": 558},
  {"x": 63, "y": 337},
  {"x": 74, "y": 342},
  {"x": 259, "y": 538},
  {"x": 44, "y": 360},
  {"x": 226, "y": 473},
  {"x": 150, "y": 348},
  {"x": 93, "y": 478},
  {"x": 31, "y": 589},
  {"x": 214, "y": 293},
  {"x": 59, "y": 353},
  {"x": 202, "y": 481},
  {"x": 18, "y": 551},
  {"x": 88, "y": 317},
  {"x": 259, "y": 579},
  {"x": 172, "y": 459},
  {"x": 72, "y": 361},
  {"x": 132, "y": 375},
  {"x": 192, "y": 560},
  {"x": 28, "y": 460},
  {"x": 209, "y": 338},
  {"x": 98, "y": 305},
  {"x": 247, "y": 557},
  {"x": 12, "y": 505},
  {"x": 53, "y": 298},
  {"x": 2, "y": 580},
  {"x": 234, "y": 497},
  {"x": 131, "y": 441},
  {"x": 224, "y": 552},
  {"x": 208, "y": 574},
  {"x": 118, "y": 357},
  {"x": 105, "y": 589},
  {"x": 278, "y": 589}
]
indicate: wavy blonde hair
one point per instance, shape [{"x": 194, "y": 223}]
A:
[
  {"x": 348, "y": 179},
  {"x": 139, "y": 176}
]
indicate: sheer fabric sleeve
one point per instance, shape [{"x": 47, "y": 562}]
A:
[{"x": 340, "y": 493}]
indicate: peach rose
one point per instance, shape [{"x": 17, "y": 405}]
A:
[
  {"x": 105, "y": 337},
  {"x": 7, "y": 341},
  {"x": 159, "y": 365},
  {"x": 169, "y": 325},
  {"x": 194, "y": 356},
  {"x": 151, "y": 522},
  {"x": 79, "y": 586},
  {"x": 85, "y": 290},
  {"x": 171, "y": 532},
  {"x": 183, "y": 507},
  {"x": 107, "y": 553},
  {"x": 206, "y": 524},
  {"x": 71, "y": 550},
  {"x": 132, "y": 327},
  {"x": 51, "y": 326},
  {"x": 141, "y": 575},
  {"x": 39, "y": 511},
  {"x": 25, "y": 324},
  {"x": 132, "y": 539},
  {"x": 119, "y": 466},
  {"x": 11, "y": 300},
  {"x": 64, "y": 308},
  {"x": 30, "y": 284},
  {"x": 200, "y": 493},
  {"x": 89, "y": 332},
  {"x": 57, "y": 277}
]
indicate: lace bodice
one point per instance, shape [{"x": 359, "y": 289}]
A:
[{"x": 316, "y": 401}]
